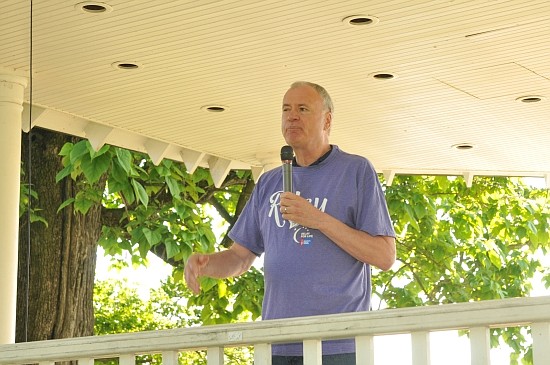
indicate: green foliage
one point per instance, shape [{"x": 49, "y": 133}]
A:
[
  {"x": 225, "y": 301},
  {"x": 28, "y": 198},
  {"x": 120, "y": 309},
  {"x": 455, "y": 244},
  {"x": 151, "y": 207},
  {"x": 459, "y": 244}
]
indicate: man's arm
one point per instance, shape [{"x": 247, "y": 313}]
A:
[
  {"x": 232, "y": 262},
  {"x": 374, "y": 250}
]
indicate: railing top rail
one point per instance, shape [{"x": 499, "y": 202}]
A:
[{"x": 492, "y": 313}]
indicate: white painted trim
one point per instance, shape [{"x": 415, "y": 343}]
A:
[{"x": 484, "y": 314}]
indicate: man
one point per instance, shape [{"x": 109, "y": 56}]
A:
[{"x": 319, "y": 242}]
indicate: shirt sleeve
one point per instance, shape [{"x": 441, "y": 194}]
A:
[
  {"x": 246, "y": 230},
  {"x": 372, "y": 211}
]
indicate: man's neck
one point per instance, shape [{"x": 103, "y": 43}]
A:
[{"x": 307, "y": 158}]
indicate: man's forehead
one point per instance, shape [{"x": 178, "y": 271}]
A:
[{"x": 301, "y": 95}]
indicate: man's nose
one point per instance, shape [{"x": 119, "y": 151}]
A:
[{"x": 292, "y": 115}]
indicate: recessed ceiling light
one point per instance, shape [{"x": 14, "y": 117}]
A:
[
  {"x": 383, "y": 75},
  {"x": 214, "y": 108},
  {"x": 530, "y": 98},
  {"x": 360, "y": 20},
  {"x": 463, "y": 146},
  {"x": 93, "y": 7},
  {"x": 125, "y": 65}
]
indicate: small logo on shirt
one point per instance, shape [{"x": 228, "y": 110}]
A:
[{"x": 306, "y": 238}]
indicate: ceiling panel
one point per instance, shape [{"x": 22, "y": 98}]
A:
[{"x": 459, "y": 67}]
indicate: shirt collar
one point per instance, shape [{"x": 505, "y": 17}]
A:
[{"x": 317, "y": 162}]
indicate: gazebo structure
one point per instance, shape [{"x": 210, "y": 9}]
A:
[{"x": 420, "y": 87}]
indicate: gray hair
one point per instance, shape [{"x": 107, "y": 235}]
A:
[{"x": 327, "y": 101}]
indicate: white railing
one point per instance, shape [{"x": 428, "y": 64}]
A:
[{"x": 477, "y": 317}]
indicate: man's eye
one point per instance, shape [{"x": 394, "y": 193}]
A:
[{"x": 303, "y": 109}]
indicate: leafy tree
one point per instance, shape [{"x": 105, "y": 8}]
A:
[
  {"x": 117, "y": 198},
  {"x": 459, "y": 244},
  {"x": 120, "y": 309},
  {"x": 455, "y": 243}
]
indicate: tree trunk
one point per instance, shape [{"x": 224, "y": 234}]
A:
[{"x": 59, "y": 299}]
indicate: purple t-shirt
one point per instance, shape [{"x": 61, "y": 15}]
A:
[{"x": 306, "y": 273}]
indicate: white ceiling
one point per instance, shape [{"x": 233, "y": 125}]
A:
[{"x": 459, "y": 67}]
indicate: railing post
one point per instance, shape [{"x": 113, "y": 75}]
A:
[
  {"x": 86, "y": 361},
  {"x": 480, "y": 346},
  {"x": 541, "y": 342},
  {"x": 127, "y": 359},
  {"x": 262, "y": 354},
  {"x": 364, "y": 350},
  {"x": 168, "y": 358},
  {"x": 312, "y": 352},
  {"x": 420, "y": 348},
  {"x": 214, "y": 356}
]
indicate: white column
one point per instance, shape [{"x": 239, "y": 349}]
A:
[
  {"x": 480, "y": 346},
  {"x": 421, "y": 348},
  {"x": 12, "y": 88},
  {"x": 541, "y": 342}
]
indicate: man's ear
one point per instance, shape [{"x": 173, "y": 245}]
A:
[{"x": 328, "y": 121}]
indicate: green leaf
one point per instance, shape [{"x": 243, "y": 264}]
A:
[
  {"x": 153, "y": 237},
  {"x": 140, "y": 192},
  {"x": 65, "y": 203},
  {"x": 410, "y": 215},
  {"x": 172, "y": 249},
  {"x": 82, "y": 204},
  {"x": 80, "y": 149},
  {"x": 94, "y": 169},
  {"x": 66, "y": 149},
  {"x": 495, "y": 259},
  {"x": 63, "y": 173},
  {"x": 222, "y": 289},
  {"x": 104, "y": 149},
  {"x": 124, "y": 159},
  {"x": 207, "y": 283},
  {"x": 173, "y": 186}
]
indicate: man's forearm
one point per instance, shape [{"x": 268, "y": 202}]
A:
[
  {"x": 229, "y": 263},
  {"x": 375, "y": 250}
]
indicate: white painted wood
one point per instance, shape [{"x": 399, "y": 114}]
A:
[
  {"x": 312, "y": 352},
  {"x": 494, "y": 313},
  {"x": 541, "y": 342},
  {"x": 168, "y": 358},
  {"x": 460, "y": 65},
  {"x": 389, "y": 175},
  {"x": 214, "y": 355},
  {"x": 97, "y": 134},
  {"x": 257, "y": 171},
  {"x": 364, "y": 350},
  {"x": 127, "y": 359},
  {"x": 468, "y": 178},
  {"x": 480, "y": 346},
  {"x": 12, "y": 88},
  {"x": 262, "y": 354},
  {"x": 191, "y": 159},
  {"x": 156, "y": 150},
  {"x": 219, "y": 168},
  {"x": 420, "y": 348},
  {"x": 86, "y": 361},
  {"x": 35, "y": 114}
]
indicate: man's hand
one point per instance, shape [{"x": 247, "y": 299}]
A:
[
  {"x": 299, "y": 210},
  {"x": 193, "y": 270}
]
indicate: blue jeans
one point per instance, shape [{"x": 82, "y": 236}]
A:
[{"x": 341, "y": 359}]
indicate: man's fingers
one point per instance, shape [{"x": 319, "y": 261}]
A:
[{"x": 192, "y": 271}]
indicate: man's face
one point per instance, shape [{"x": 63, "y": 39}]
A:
[{"x": 305, "y": 122}]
